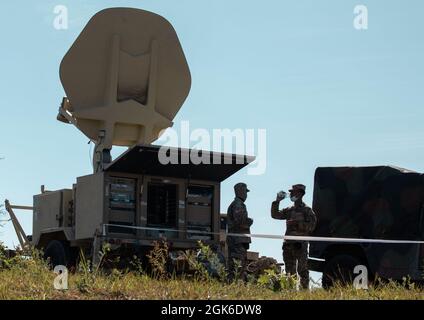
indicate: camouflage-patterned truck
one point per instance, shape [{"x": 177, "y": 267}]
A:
[{"x": 380, "y": 202}]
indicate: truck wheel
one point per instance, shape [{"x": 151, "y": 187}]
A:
[
  {"x": 56, "y": 253},
  {"x": 339, "y": 270}
]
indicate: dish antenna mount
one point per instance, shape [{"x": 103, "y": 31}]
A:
[{"x": 125, "y": 78}]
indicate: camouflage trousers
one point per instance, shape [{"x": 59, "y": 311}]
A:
[
  {"x": 237, "y": 251},
  {"x": 295, "y": 255}
]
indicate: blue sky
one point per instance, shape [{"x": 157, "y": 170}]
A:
[{"x": 326, "y": 93}]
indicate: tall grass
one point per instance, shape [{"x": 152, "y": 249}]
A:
[{"x": 24, "y": 277}]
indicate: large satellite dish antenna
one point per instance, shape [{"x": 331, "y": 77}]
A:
[{"x": 125, "y": 78}]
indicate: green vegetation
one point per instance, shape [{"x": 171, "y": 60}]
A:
[{"x": 30, "y": 278}]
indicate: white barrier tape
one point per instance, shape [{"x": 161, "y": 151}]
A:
[
  {"x": 270, "y": 236},
  {"x": 352, "y": 240}
]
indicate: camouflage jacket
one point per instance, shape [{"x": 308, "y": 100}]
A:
[
  {"x": 238, "y": 221},
  {"x": 304, "y": 217}
]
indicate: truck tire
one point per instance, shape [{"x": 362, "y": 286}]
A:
[
  {"x": 339, "y": 269},
  {"x": 56, "y": 253}
]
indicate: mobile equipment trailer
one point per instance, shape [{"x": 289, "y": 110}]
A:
[{"x": 133, "y": 202}]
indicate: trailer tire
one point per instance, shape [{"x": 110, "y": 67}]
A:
[
  {"x": 56, "y": 253},
  {"x": 339, "y": 269}
]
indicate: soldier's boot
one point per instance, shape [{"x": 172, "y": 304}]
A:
[
  {"x": 304, "y": 279},
  {"x": 243, "y": 273},
  {"x": 230, "y": 275},
  {"x": 231, "y": 270},
  {"x": 290, "y": 267},
  {"x": 304, "y": 283}
]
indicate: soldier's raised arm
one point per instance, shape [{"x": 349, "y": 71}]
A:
[{"x": 275, "y": 212}]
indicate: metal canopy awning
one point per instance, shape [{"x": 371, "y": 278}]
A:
[{"x": 144, "y": 159}]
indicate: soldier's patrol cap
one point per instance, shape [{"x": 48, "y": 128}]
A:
[
  {"x": 240, "y": 185},
  {"x": 299, "y": 186}
]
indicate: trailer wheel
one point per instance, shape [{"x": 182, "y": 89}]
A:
[
  {"x": 56, "y": 253},
  {"x": 339, "y": 270}
]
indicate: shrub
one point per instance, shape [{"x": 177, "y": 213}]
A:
[
  {"x": 158, "y": 259},
  {"x": 277, "y": 281}
]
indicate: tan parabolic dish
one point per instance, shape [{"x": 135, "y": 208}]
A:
[{"x": 126, "y": 73}]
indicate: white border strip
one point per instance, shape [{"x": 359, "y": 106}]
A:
[{"x": 268, "y": 236}]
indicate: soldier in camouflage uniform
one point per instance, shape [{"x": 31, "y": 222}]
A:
[
  {"x": 238, "y": 222},
  {"x": 301, "y": 221}
]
